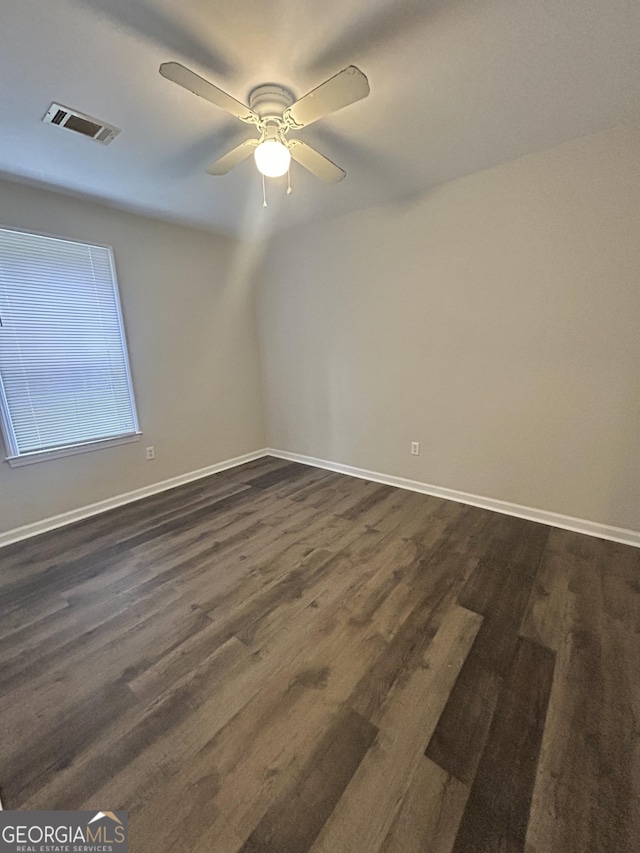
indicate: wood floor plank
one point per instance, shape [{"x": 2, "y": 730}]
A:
[
  {"x": 64, "y": 573},
  {"x": 429, "y": 590},
  {"x": 37, "y": 760},
  {"x": 293, "y": 822},
  {"x": 67, "y": 543},
  {"x": 460, "y": 736},
  {"x": 331, "y": 493},
  {"x": 290, "y": 473},
  {"x": 588, "y": 783},
  {"x": 497, "y": 811},
  {"x": 459, "y": 739},
  {"x": 250, "y": 470},
  {"x": 362, "y": 818},
  {"x": 429, "y": 815},
  {"x": 508, "y": 537},
  {"x": 404, "y": 652},
  {"x": 505, "y": 606},
  {"x": 543, "y": 618},
  {"x": 500, "y": 589}
]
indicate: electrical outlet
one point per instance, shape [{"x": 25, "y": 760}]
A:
[
  {"x": 415, "y": 448},
  {"x": 151, "y": 453}
]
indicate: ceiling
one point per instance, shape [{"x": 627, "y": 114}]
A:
[{"x": 456, "y": 86}]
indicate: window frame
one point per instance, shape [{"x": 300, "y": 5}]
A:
[{"x": 15, "y": 459}]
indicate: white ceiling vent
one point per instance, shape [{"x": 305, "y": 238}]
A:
[{"x": 81, "y": 123}]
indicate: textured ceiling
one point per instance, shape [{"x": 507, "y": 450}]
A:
[{"x": 456, "y": 86}]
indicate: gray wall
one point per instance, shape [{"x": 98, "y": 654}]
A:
[
  {"x": 190, "y": 321},
  {"x": 495, "y": 320}
]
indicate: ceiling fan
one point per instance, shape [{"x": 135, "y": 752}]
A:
[{"x": 274, "y": 114}]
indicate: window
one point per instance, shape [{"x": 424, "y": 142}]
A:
[{"x": 65, "y": 384}]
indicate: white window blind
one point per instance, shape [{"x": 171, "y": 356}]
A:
[{"x": 64, "y": 373}]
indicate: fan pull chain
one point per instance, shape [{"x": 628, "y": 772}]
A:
[
  {"x": 264, "y": 193},
  {"x": 288, "y": 181}
]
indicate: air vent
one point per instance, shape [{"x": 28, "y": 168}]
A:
[{"x": 81, "y": 123}]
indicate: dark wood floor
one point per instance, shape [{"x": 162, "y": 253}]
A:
[{"x": 278, "y": 658}]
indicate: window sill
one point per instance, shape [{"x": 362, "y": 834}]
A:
[{"x": 70, "y": 450}]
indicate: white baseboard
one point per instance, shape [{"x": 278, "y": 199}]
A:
[
  {"x": 28, "y": 530},
  {"x": 589, "y": 528},
  {"x": 554, "y": 519}
]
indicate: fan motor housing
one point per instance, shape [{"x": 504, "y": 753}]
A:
[{"x": 270, "y": 100}]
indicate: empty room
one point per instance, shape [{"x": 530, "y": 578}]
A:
[{"x": 320, "y": 426}]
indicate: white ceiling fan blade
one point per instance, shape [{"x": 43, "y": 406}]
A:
[
  {"x": 316, "y": 163},
  {"x": 346, "y": 87},
  {"x": 225, "y": 163},
  {"x": 199, "y": 86}
]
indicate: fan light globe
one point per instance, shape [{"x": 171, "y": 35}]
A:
[{"x": 272, "y": 158}]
